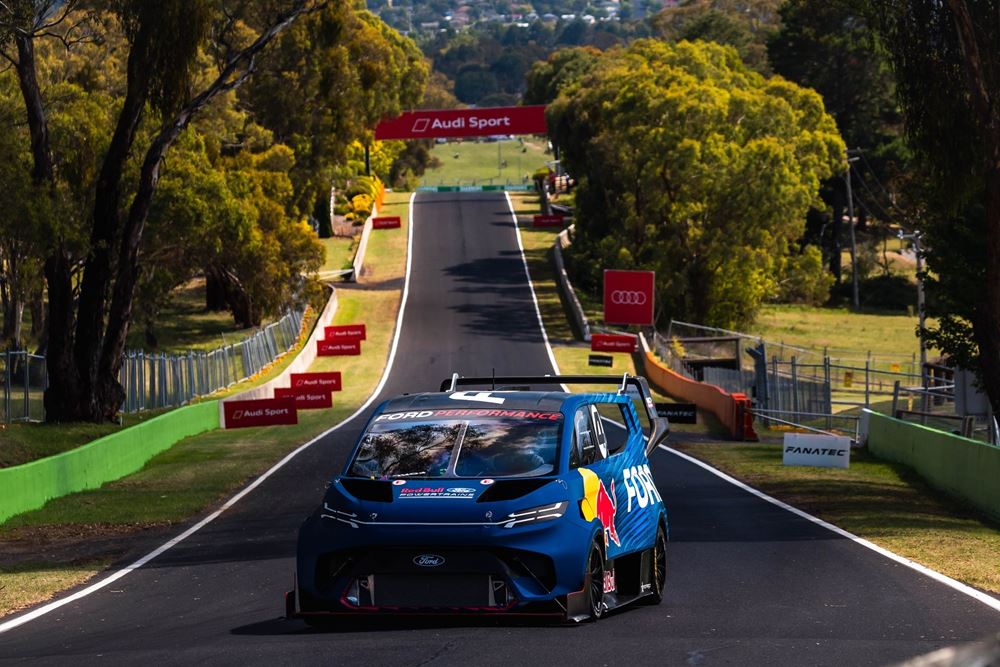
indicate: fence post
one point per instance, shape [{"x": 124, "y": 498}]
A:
[
  {"x": 795, "y": 389},
  {"x": 27, "y": 387},
  {"x": 895, "y": 399},
  {"x": 828, "y": 388},
  {"x": 867, "y": 382}
]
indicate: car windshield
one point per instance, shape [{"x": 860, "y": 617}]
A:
[{"x": 459, "y": 443}]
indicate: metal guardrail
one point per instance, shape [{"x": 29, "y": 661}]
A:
[{"x": 154, "y": 380}]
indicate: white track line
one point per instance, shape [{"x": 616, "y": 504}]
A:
[
  {"x": 93, "y": 588},
  {"x": 986, "y": 599},
  {"x": 531, "y": 286}
]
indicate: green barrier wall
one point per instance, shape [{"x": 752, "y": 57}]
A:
[
  {"x": 961, "y": 467},
  {"x": 29, "y": 486}
]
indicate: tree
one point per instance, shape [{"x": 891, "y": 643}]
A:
[
  {"x": 945, "y": 57},
  {"x": 87, "y": 332},
  {"x": 691, "y": 164}
]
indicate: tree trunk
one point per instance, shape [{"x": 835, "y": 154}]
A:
[
  {"x": 987, "y": 325},
  {"x": 62, "y": 397},
  {"x": 39, "y": 330},
  {"x": 215, "y": 292},
  {"x": 42, "y": 170}
]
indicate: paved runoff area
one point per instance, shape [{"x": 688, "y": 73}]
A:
[{"x": 748, "y": 583}]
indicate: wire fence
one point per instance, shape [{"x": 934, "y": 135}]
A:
[{"x": 154, "y": 380}]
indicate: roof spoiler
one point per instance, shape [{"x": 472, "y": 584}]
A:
[{"x": 659, "y": 426}]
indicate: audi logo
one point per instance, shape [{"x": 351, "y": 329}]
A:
[{"x": 628, "y": 298}]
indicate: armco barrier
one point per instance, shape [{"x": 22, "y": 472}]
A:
[
  {"x": 29, "y": 486},
  {"x": 576, "y": 310},
  {"x": 733, "y": 410},
  {"x": 967, "y": 469}
]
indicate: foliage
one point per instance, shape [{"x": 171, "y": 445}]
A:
[
  {"x": 803, "y": 280},
  {"x": 746, "y": 26},
  {"x": 714, "y": 168},
  {"x": 944, "y": 55}
]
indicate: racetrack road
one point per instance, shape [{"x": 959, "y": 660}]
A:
[{"x": 748, "y": 582}]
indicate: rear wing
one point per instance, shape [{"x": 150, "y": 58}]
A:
[{"x": 659, "y": 426}]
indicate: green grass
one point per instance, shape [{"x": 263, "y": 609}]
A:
[
  {"x": 25, "y": 442},
  {"x": 478, "y": 163},
  {"x": 184, "y": 324},
  {"x": 845, "y": 334},
  {"x": 882, "y": 502},
  {"x": 199, "y": 472},
  {"x": 339, "y": 253}
]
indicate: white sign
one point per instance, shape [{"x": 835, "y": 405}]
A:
[{"x": 813, "y": 449}]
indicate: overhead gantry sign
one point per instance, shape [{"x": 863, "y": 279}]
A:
[{"x": 447, "y": 123}]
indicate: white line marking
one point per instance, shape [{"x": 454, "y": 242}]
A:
[
  {"x": 985, "y": 598},
  {"x": 110, "y": 579},
  {"x": 531, "y": 286}
]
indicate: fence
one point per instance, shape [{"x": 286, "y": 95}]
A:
[{"x": 155, "y": 381}]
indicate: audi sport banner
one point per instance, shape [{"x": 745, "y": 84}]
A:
[
  {"x": 306, "y": 399},
  {"x": 334, "y": 348},
  {"x": 386, "y": 222},
  {"x": 628, "y": 297},
  {"x": 434, "y": 123},
  {"x": 329, "y": 381},
  {"x": 260, "y": 412},
  {"x": 555, "y": 220},
  {"x": 345, "y": 332},
  {"x": 613, "y": 343}
]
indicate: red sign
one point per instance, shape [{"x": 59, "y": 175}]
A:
[
  {"x": 433, "y": 123},
  {"x": 345, "y": 332},
  {"x": 306, "y": 399},
  {"x": 548, "y": 221},
  {"x": 329, "y": 381},
  {"x": 628, "y": 297},
  {"x": 260, "y": 412},
  {"x": 613, "y": 343},
  {"x": 334, "y": 348},
  {"x": 387, "y": 222}
]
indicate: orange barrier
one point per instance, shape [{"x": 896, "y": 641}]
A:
[{"x": 733, "y": 410}]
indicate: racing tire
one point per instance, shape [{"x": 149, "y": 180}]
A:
[
  {"x": 595, "y": 582},
  {"x": 658, "y": 568}
]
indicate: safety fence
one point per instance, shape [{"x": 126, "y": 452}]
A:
[{"x": 155, "y": 380}]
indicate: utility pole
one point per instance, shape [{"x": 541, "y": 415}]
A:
[
  {"x": 854, "y": 245},
  {"x": 915, "y": 237}
]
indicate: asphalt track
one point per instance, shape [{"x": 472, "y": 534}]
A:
[{"x": 748, "y": 583}]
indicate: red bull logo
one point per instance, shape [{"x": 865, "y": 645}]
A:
[
  {"x": 597, "y": 502},
  {"x": 607, "y": 507}
]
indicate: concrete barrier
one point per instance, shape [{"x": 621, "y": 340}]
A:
[
  {"x": 576, "y": 310},
  {"x": 964, "y": 468},
  {"x": 29, "y": 486},
  {"x": 733, "y": 410}
]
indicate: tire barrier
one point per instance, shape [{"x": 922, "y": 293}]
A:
[
  {"x": 733, "y": 410},
  {"x": 963, "y": 468},
  {"x": 29, "y": 486}
]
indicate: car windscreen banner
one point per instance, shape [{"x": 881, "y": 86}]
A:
[
  {"x": 461, "y": 413},
  {"x": 482, "y": 122}
]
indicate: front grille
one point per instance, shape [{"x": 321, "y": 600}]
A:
[{"x": 429, "y": 591}]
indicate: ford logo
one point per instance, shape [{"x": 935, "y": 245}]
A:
[
  {"x": 428, "y": 560},
  {"x": 462, "y": 490}
]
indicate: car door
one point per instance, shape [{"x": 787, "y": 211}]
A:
[{"x": 590, "y": 456}]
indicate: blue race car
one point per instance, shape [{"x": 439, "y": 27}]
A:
[{"x": 491, "y": 502}]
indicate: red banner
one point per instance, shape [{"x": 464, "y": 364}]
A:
[
  {"x": 260, "y": 412},
  {"x": 329, "y": 381},
  {"x": 613, "y": 343},
  {"x": 306, "y": 399},
  {"x": 345, "y": 332},
  {"x": 548, "y": 221},
  {"x": 387, "y": 222},
  {"x": 434, "y": 123},
  {"x": 628, "y": 297},
  {"x": 334, "y": 348}
]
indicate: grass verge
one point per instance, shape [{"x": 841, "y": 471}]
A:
[
  {"x": 483, "y": 163},
  {"x": 83, "y": 533},
  {"x": 887, "y": 504}
]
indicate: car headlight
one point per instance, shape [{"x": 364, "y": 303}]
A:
[{"x": 535, "y": 514}]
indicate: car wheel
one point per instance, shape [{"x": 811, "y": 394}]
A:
[
  {"x": 658, "y": 567},
  {"x": 595, "y": 582}
]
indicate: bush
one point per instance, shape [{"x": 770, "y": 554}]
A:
[{"x": 805, "y": 279}]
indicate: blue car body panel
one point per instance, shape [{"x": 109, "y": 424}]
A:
[{"x": 408, "y": 545}]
